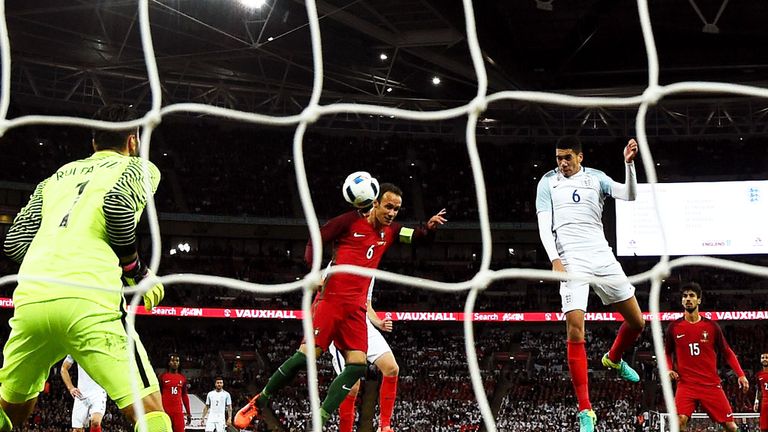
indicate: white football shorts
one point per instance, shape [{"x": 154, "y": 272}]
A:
[
  {"x": 575, "y": 294},
  {"x": 218, "y": 426},
  {"x": 84, "y": 408},
  {"x": 377, "y": 347}
]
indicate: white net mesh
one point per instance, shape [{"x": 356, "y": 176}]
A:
[{"x": 473, "y": 109}]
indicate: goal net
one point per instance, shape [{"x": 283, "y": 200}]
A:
[{"x": 472, "y": 111}]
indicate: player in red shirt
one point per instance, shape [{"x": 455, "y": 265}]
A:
[
  {"x": 762, "y": 392},
  {"x": 695, "y": 342},
  {"x": 173, "y": 387},
  {"x": 339, "y": 309}
]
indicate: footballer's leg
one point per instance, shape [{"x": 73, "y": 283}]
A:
[
  {"x": 354, "y": 369},
  {"x": 28, "y": 355},
  {"x": 352, "y": 340},
  {"x": 620, "y": 294},
  {"x": 325, "y": 317},
  {"x": 98, "y": 341},
  {"x": 575, "y": 296},
  {"x": 388, "y": 391}
]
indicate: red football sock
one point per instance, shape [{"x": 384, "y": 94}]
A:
[
  {"x": 387, "y": 396},
  {"x": 96, "y": 428},
  {"x": 347, "y": 413},
  {"x": 625, "y": 339},
  {"x": 577, "y": 364}
]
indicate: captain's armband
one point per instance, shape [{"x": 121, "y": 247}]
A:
[{"x": 406, "y": 235}]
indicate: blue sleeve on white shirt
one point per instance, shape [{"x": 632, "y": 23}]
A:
[
  {"x": 605, "y": 182},
  {"x": 544, "y": 195}
]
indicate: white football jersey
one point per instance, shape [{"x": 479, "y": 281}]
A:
[
  {"x": 85, "y": 383},
  {"x": 576, "y": 204},
  {"x": 218, "y": 402}
]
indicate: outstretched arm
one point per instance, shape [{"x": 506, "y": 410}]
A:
[
  {"x": 628, "y": 190},
  {"x": 423, "y": 233}
]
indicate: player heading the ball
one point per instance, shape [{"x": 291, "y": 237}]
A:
[
  {"x": 339, "y": 311},
  {"x": 569, "y": 208}
]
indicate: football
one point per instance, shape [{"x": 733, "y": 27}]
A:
[{"x": 360, "y": 189}]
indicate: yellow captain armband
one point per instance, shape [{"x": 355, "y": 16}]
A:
[{"x": 406, "y": 235}]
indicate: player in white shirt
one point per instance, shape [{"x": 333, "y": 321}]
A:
[
  {"x": 217, "y": 414},
  {"x": 379, "y": 354},
  {"x": 569, "y": 207},
  {"x": 90, "y": 398}
]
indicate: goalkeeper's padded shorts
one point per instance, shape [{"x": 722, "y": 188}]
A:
[{"x": 44, "y": 333}]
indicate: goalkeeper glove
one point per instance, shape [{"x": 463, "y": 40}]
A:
[{"x": 134, "y": 273}]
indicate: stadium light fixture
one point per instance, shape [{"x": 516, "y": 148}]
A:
[
  {"x": 436, "y": 80},
  {"x": 389, "y": 89},
  {"x": 383, "y": 56},
  {"x": 270, "y": 39},
  {"x": 253, "y": 4}
]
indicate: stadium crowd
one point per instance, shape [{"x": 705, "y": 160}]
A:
[{"x": 195, "y": 160}]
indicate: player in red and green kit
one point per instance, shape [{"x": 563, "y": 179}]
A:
[
  {"x": 762, "y": 392},
  {"x": 695, "y": 343},
  {"x": 78, "y": 231},
  {"x": 173, "y": 387},
  {"x": 339, "y": 310}
]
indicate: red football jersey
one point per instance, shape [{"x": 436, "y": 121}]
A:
[
  {"x": 357, "y": 243},
  {"x": 695, "y": 347},
  {"x": 762, "y": 384},
  {"x": 173, "y": 387}
]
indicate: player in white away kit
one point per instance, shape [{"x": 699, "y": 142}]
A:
[
  {"x": 569, "y": 207},
  {"x": 217, "y": 414},
  {"x": 90, "y": 398},
  {"x": 379, "y": 354}
]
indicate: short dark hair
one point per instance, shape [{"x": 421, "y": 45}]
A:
[
  {"x": 218, "y": 378},
  {"x": 569, "y": 142},
  {"x": 113, "y": 139},
  {"x": 389, "y": 187},
  {"x": 691, "y": 286}
]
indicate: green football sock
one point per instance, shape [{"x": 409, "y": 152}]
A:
[
  {"x": 157, "y": 421},
  {"x": 285, "y": 374},
  {"x": 340, "y": 387}
]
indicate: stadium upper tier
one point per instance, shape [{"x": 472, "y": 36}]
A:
[{"x": 237, "y": 170}]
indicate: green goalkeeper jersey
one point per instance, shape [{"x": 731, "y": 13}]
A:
[{"x": 74, "y": 227}]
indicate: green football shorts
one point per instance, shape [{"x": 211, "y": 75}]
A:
[{"x": 44, "y": 333}]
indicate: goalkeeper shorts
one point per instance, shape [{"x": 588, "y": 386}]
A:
[{"x": 44, "y": 333}]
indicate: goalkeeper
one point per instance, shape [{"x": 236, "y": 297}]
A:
[{"x": 79, "y": 228}]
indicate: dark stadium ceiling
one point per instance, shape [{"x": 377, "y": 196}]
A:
[{"x": 69, "y": 54}]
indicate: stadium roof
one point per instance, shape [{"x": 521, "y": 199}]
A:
[{"x": 85, "y": 53}]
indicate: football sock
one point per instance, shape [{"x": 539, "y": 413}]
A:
[
  {"x": 5, "y": 422},
  {"x": 157, "y": 421},
  {"x": 95, "y": 428},
  {"x": 624, "y": 339},
  {"x": 387, "y": 395},
  {"x": 341, "y": 386},
  {"x": 347, "y": 413},
  {"x": 285, "y": 374},
  {"x": 577, "y": 364}
]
